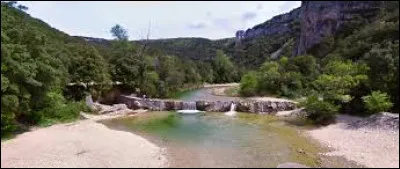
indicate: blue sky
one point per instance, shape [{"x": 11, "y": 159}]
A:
[{"x": 213, "y": 20}]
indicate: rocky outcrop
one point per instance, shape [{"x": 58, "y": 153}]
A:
[
  {"x": 382, "y": 120},
  {"x": 239, "y": 35},
  {"x": 313, "y": 21},
  {"x": 320, "y": 19},
  {"x": 280, "y": 24},
  {"x": 260, "y": 107}
]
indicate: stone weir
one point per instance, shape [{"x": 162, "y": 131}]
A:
[{"x": 260, "y": 107}]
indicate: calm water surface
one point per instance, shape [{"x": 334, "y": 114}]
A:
[{"x": 212, "y": 139}]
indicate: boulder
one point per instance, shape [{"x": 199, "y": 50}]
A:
[{"x": 137, "y": 105}]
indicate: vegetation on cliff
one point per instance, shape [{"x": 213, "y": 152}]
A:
[{"x": 347, "y": 67}]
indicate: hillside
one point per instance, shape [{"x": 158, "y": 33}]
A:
[
  {"x": 39, "y": 60},
  {"x": 346, "y": 52}
]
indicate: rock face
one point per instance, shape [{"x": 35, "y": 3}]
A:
[
  {"x": 280, "y": 24},
  {"x": 260, "y": 107},
  {"x": 317, "y": 20},
  {"x": 320, "y": 19},
  {"x": 239, "y": 35}
]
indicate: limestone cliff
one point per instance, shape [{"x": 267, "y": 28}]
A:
[
  {"x": 320, "y": 19},
  {"x": 313, "y": 21},
  {"x": 280, "y": 24}
]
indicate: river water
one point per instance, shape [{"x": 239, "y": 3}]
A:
[{"x": 215, "y": 140}]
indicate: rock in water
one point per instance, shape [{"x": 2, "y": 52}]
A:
[{"x": 291, "y": 165}]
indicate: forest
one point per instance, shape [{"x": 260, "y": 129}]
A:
[{"x": 38, "y": 61}]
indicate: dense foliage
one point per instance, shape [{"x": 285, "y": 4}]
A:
[
  {"x": 377, "y": 102},
  {"x": 36, "y": 64},
  {"x": 39, "y": 64},
  {"x": 341, "y": 71}
]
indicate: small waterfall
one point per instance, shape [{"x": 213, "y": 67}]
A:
[
  {"x": 189, "y": 106},
  {"x": 232, "y": 107},
  {"x": 231, "y": 111}
]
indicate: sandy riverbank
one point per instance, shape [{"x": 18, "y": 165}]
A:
[
  {"x": 372, "y": 147},
  {"x": 84, "y": 143}
]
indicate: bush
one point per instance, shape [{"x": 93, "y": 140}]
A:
[
  {"x": 377, "y": 102},
  {"x": 248, "y": 84},
  {"x": 59, "y": 110},
  {"x": 7, "y": 124},
  {"x": 320, "y": 111}
]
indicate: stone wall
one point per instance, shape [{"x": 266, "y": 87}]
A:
[{"x": 260, "y": 107}]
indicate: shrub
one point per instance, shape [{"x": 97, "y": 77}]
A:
[
  {"x": 319, "y": 111},
  {"x": 248, "y": 84},
  {"x": 59, "y": 110},
  {"x": 377, "y": 102},
  {"x": 7, "y": 123}
]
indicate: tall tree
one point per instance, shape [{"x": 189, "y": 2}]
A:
[
  {"x": 224, "y": 68},
  {"x": 119, "y": 32}
]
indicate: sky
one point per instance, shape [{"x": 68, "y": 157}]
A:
[{"x": 166, "y": 19}]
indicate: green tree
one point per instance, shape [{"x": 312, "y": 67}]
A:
[
  {"x": 224, "y": 70},
  {"x": 269, "y": 78},
  {"x": 89, "y": 67},
  {"x": 338, "y": 78},
  {"x": 248, "y": 84},
  {"x": 119, "y": 32}
]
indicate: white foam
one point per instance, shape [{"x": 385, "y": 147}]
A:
[{"x": 189, "y": 111}]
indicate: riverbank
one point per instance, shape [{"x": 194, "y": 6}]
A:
[
  {"x": 370, "y": 146},
  {"x": 232, "y": 89},
  {"x": 84, "y": 143}
]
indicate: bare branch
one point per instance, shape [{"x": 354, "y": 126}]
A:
[{"x": 146, "y": 41}]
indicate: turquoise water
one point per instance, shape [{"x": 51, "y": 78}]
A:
[{"x": 212, "y": 139}]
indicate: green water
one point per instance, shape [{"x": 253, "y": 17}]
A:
[
  {"x": 182, "y": 95},
  {"x": 215, "y": 140}
]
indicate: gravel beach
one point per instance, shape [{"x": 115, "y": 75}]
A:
[
  {"x": 85, "y": 143},
  {"x": 372, "y": 147}
]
